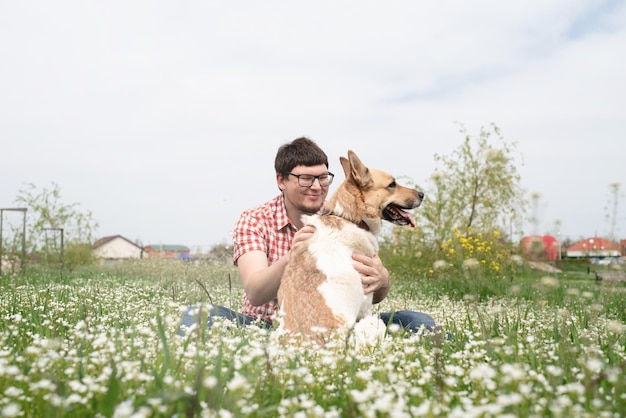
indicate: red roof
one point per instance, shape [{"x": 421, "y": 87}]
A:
[{"x": 594, "y": 243}]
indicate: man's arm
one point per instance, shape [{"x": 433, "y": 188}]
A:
[{"x": 260, "y": 281}]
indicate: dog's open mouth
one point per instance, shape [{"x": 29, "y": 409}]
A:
[{"x": 396, "y": 215}]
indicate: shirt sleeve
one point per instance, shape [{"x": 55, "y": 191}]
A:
[{"x": 250, "y": 234}]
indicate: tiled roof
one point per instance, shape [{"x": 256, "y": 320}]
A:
[
  {"x": 596, "y": 244},
  {"x": 104, "y": 240}
]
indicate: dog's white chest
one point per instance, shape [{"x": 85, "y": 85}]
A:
[{"x": 332, "y": 248}]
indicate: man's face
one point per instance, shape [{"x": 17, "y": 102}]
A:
[{"x": 305, "y": 193}]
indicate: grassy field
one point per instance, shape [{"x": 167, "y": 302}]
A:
[{"x": 104, "y": 342}]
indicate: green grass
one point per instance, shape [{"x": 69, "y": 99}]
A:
[{"x": 103, "y": 342}]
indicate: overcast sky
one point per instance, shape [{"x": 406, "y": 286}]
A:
[{"x": 163, "y": 117}]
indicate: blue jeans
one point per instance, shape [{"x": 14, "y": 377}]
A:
[{"x": 410, "y": 320}]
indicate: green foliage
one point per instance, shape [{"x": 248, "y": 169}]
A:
[
  {"x": 78, "y": 254},
  {"x": 53, "y": 228},
  {"x": 470, "y": 201},
  {"x": 477, "y": 186}
]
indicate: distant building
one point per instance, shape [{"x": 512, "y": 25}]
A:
[
  {"x": 540, "y": 247},
  {"x": 168, "y": 251},
  {"x": 116, "y": 247},
  {"x": 594, "y": 248}
]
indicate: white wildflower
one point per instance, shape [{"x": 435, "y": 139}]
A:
[
  {"x": 512, "y": 372},
  {"x": 594, "y": 365},
  {"x": 210, "y": 382},
  {"x": 100, "y": 341},
  {"x": 369, "y": 332},
  {"x": 237, "y": 382},
  {"x": 517, "y": 259},
  {"x": 395, "y": 328},
  {"x": 550, "y": 282},
  {"x": 482, "y": 372},
  {"x": 12, "y": 410},
  {"x": 33, "y": 351},
  {"x": 554, "y": 370},
  {"x": 469, "y": 298},
  {"x": 13, "y": 392},
  {"x": 223, "y": 413},
  {"x": 75, "y": 398},
  {"x": 616, "y": 327},
  {"x": 441, "y": 265},
  {"x": 509, "y": 399},
  {"x": 123, "y": 410},
  {"x": 318, "y": 330},
  {"x": 11, "y": 370},
  {"x": 359, "y": 396},
  {"x": 43, "y": 384},
  {"x": 596, "y": 307},
  {"x": 470, "y": 263}
]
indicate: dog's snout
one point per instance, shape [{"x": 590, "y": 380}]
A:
[{"x": 420, "y": 195}]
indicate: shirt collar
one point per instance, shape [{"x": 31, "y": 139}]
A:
[{"x": 282, "y": 220}]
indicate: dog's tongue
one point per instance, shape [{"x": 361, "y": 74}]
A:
[{"x": 408, "y": 216}]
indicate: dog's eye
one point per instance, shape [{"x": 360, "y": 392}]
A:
[{"x": 392, "y": 185}]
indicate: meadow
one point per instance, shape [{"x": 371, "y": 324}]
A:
[{"x": 104, "y": 342}]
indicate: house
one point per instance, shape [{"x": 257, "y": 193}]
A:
[
  {"x": 116, "y": 247},
  {"x": 594, "y": 247},
  {"x": 168, "y": 251},
  {"x": 541, "y": 247}
]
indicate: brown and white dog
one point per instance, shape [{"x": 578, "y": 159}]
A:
[{"x": 320, "y": 291}]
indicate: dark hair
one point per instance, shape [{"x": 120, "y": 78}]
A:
[{"x": 301, "y": 151}]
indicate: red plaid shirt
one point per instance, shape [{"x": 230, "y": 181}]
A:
[{"x": 265, "y": 228}]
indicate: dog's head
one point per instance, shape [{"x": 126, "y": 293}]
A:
[{"x": 377, "y": 195}]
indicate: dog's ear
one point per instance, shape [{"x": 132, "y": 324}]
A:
[
  {"x": 345, "y": 164},
  {"x": 355, "y": 169}
]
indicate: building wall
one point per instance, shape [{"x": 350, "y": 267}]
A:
[
  {"x": 118, "y": 248},
  {"x": 594, "y": 253}
]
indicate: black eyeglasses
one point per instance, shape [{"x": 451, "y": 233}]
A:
[{"x": 307, "y": 180}]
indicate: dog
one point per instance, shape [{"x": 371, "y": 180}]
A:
[{"x": 320, "y": 291}]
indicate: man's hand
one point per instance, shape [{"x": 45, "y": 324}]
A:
[
  {"x": 302, "y": 235},
  {"x": 374, "y": 275}
]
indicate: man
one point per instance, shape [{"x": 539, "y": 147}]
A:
[{"x": 264, "y": 236}]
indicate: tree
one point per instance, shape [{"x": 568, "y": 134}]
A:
[
  {"x": 48, "y": 218},
  {"x": 477, "y": 188},
  {"x": 470, "y": 204}
]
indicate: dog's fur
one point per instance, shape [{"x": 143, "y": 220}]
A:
[{"x": 320, "y": 291}]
